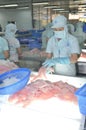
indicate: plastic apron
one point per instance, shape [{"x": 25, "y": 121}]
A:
[{"x": 65, "y": 69}]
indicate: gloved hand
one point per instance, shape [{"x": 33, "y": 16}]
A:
[
  {"x": 52, "y": 62},
  {"x": 49, "y": 63}
]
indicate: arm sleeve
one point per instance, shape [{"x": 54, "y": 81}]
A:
[
  {"x": 49, "y": 46},
  {"x": 17, "y": 44},
  {"x": 4, "y": 44}
]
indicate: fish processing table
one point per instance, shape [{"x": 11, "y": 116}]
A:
[{"x": 45, "y": 115}]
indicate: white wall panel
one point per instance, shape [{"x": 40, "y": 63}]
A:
[{"x": 23, "y": 18}]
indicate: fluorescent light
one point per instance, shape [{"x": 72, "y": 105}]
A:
[
  {"x": 58, "y": 9},
  {"x": 76, "y": 1},
  {"x": 11, "y": 5},
  {"x": 42, "y": 3},
  {"x": 80, "y": 5}
]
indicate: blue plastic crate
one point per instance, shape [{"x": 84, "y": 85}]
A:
[
  {"x": 39, "y": 39},
  {"x": 36, "y": 34},
  {"x": 81, "y": 96},
  {"x": 32, "y": 40},
  {"x": 23, "y": 40},
  {"x": 34, "y": 45},
  {"x": 22, "y": 32}
]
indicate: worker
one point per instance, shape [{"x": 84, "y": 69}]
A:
[
  {"x": 13, "y": 42},
  {"x": 62, "y": 49},
  {"x": 4, "y": 49},
  {"x": 46, "y": 35},
  {"x": 81, "y": 36},
  {"x": 71, "y": 28}
]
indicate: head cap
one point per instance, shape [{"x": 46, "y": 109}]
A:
[{"x": 59, "y": 21}]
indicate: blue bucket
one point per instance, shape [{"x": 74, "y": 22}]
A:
[
  {"x": 81, "y": 96},
  {"x": 21, "y": 74}
]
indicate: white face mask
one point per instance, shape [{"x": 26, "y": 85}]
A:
[{"x": 59, "y": 34}]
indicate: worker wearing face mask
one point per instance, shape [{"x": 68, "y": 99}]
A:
[
  {"x": 81, "y": 36},
  {"x": 46, "y": 35},
  {"x": 13, "y": 42},
  {"x": 62, "y": 49}
]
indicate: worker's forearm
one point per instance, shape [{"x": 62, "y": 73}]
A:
[
  {"x": 74, "y": 58},
  {"x": 19, "y": 51},
  {"x": 6, "y": 54}
]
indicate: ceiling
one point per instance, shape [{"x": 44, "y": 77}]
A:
[{"x": 68, "y": 5}]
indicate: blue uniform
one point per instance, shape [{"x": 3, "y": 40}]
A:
[
  {"x": 12, "y": 41},
  {"x": 3, "y": 47},
  {"x": 13, "y": 45},
  {"x": 81, "y": 36},
  {"x": 62, "y": 46}
]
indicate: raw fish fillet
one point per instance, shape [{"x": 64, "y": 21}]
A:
[{"x": 43, "y": 90}]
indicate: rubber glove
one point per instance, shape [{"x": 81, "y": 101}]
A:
[
  {"x": 49, "y": 63},
  {"x": 52, "y": 62}
]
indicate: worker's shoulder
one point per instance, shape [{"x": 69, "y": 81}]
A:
[
  {"x": 3, "y": 40},
  {"x": 71, "y": 37}
]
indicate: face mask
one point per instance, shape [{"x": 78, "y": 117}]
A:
[{"x": 59, "y": 34}]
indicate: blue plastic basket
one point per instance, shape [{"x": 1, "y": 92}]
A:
[
  {"x": 81, "y": 96},
  {"x": 23, "y": 32},
  {"x": 21, "y": 74},
  {"x": 34, "y": 45},
  {"x": 23, "y": 40},
  {"x": 32, "y": 40},
  {"x": 35, "y": 34}
]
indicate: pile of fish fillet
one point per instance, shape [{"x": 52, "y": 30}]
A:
[{"x": 40, "y": 88}]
